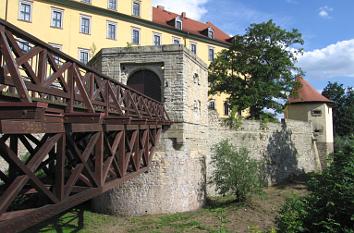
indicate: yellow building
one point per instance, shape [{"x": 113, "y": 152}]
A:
[{"x": 81, "y": 28}]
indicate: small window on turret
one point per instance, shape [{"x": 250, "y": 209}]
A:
[{"x": 316, "y": 113}]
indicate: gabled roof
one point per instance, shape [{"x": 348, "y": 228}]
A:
[
  {"x": 307, "y": 94},
  {"x": 163, "y": 17}
]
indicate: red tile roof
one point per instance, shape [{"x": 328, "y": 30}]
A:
[
  {"x": 163, "y": 17},
  {"x": 307, "y": 93}
]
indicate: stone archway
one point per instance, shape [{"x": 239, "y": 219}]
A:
[{"x": 147, "y": 82}]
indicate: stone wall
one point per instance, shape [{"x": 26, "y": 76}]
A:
[
  {"x": 287, "y": 148},
  {"x": 176, "y": 180}
]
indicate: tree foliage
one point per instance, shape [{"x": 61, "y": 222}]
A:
[
  {"x": 235, "y": 172},
  {"x": 329, "y": 208},
  {"x": 257, "y": 71},
  {"x": 343, "y": 111}
]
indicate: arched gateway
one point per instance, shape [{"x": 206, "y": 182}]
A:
[{"x": 147, "y": 82}]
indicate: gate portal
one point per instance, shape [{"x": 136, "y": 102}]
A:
[{"x": 147, "y": 82}]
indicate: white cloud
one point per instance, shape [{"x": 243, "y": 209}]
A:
[
  {"x": 194, "y": 8},
  {"x": 325, "y": 11},
  {"x": 335, "y": 60}
]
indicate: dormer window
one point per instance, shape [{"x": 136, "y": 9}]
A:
[
  {"x": 210, "y": 33},
  {"x": 178, "y": 23}
]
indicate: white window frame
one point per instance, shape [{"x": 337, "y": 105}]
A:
[
  {"x": 211, "y": 48},
  {"x": 87, "y": 1},
  {"x": 139, "y": 3},
  {"x": 107, "y": 29},
  {"x": 178, "y": 19},
  {"x": 153, "y": 38},
  {"x": 113, "y": 9},
  {"x": 90, "y": 24},
  {"x": 196, "y": 47},
  {"x": 88, "y": 54},
  {"x": 176, "y": 39},
  {"x": 61, "y": 20},
  {"x": 210, "y": 30},
  {"x": 132, "y": 33},
  {"x": 30, "y": 3}
]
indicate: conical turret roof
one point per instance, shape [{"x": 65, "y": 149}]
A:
[{"x": 307, "y": 94}]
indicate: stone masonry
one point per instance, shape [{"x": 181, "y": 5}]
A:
[{"x": 177, "y": 179}]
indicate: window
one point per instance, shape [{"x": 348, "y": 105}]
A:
[
  {"x": 86, "y": 1},
  {"x": 211, "y": 54},
  {"x": 25, "y": 11},
  {"x": 194, "y": 48},
  {"x": 84, "y": 55},
  {"x": 176, "y": 40},
  {"x": 211, "y": 104},
  {"x": 57, "y": 18},
  {"x": 316, "y": 113},
  {"x": 136, "y": 8},
  {"x": 136, "y": 36},
  {"x": 112, "y": 4},
  {"x": 111, "y": 30},
  {"x": 226, "y": 108},
  {"x": 157, "y": 39},
  {"x": 210, "y": 33},
  {"x": 58, "y": 47},
  {"x": 85, "y": 24},
  {"x": 24, "y": 45},
  {"x": 178, "y": 23}
]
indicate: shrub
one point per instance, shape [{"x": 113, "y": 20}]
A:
[
  {"x": 235, "y": 172},
  {"x": 291, "y": 215},
  {"x": 329, "y": 208}
]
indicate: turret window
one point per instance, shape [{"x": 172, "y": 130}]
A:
[{"x": 316, "y": 113}]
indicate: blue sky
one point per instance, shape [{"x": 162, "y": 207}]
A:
[{"x": 326, "y": 25}]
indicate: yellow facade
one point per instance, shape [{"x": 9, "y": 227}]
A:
[{"x": 71, "y": 40}]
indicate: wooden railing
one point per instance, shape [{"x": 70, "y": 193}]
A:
[
  {"x": 33, "y": 71},
  {"x": 67, "y": 132}
]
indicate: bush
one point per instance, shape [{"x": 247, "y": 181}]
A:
[
  {"x": 329, "y": 208},
  {"x": 235, "y": 172}
]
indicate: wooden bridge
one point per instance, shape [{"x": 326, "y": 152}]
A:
[{"x": 67, "y": 132}]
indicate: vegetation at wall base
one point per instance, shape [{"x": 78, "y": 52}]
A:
[
  {"x": 235, "y": 172},
  {"x": 257, "y": 71},
  {"x": 329, "y": 208}
]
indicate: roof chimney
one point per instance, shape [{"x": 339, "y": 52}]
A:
[
  {"x": 184, "y": 14},
  {"x": 160, "y": 7}
]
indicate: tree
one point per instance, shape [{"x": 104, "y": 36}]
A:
[
  {"x": 257, "y": 71},
  {"x": 343, "y": 111},
  {"x": 329, "y": 206}
]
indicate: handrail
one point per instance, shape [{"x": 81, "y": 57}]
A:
[{"x": 45, "y": 73}]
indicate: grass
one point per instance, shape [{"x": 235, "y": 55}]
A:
[{"x": 220, "y": 215}]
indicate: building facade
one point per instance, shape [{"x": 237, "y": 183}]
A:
[
  {"x": 81, "y": 28},
  {"x": 310, "y": 106}
]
